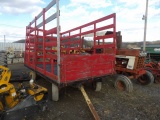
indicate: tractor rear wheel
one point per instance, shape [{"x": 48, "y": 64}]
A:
[
  {"x": 123, "y": 83},
  {"x": 157, "y": 80},
  {"x": 146, "y": 79}
]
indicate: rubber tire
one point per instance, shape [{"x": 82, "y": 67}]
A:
[
  {"x": 151, "y": 75},
  {"x": 98, "y": 86},
  {"x": 157, "y": 80},
  {"x": 150, "y": 79},
  {"x": 154, "y": 76},
  {"x": 33, "y": 75},
  {"x": 126, "y": 81},
  {"x": 55, "y": 92}
]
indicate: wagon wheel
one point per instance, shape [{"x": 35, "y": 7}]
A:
[
  {"x": 33, "y": 75},
  {"x": 123, "y": 83},
  {"x": 97, "y": 86},
  {"x": 55, "y": 92},
  {"x": 146, "y": 79}
]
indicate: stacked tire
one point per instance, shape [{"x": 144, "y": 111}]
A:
[{"x": 3, "y": 58}]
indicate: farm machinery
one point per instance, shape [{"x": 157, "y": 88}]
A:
[
  {"x": 154, "y": 68},
  {"x": 22, "y": 101},
  {"x": 20, "y": 75},
  {"x": 130, "y": 62}
]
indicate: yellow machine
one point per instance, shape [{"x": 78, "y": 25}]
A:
[{"x": 25, "y": 99}]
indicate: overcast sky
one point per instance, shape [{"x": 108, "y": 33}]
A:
[{"x": 15, "y": 15}]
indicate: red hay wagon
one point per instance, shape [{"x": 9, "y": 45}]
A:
[{"x": 62, "y": 58}]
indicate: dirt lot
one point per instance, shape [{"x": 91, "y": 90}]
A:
[{"x": 142, "y": 104}]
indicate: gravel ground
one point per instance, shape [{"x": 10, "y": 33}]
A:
[
  {"x": 142, "y": 104},
  {"x": 18, "y": 72}
]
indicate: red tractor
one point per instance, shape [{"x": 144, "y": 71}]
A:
[{"x": 130, "y": 62}]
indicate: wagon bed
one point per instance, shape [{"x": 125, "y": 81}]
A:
[{"x": 62, "y": 57}]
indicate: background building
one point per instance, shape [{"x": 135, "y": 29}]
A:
[{"x": 13, "y": 46}]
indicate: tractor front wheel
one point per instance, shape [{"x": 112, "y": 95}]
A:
[{"x": 123, "y": 83}]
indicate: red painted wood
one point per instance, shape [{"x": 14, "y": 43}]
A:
[{"x": 40, "y": 49}]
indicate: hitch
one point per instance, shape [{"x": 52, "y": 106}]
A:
[{"x": 89, "y": 103}]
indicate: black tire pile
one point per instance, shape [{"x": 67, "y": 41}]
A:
[{"x": 3, "y": 58}]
